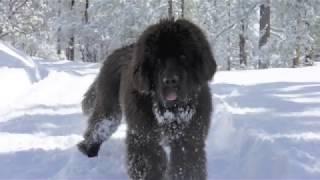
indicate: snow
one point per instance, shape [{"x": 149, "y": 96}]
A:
[
  {"x": 266, "y": 124},
  {"x": 182, "y": 116},
  {"x": 13, "y": 58},
  {"x": 104, "y": 129}
]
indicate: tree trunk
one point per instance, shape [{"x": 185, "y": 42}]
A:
[
  {"x": 264, "y": 32},
  {"x": 86, "y": 15},
  {"x": 296, "y": 59},
  {"x": 242, "y": 44},
  {"x": 70, "y": 48},
  {"x": 87, "y": 54},
  {"x": 242, "y": 39},
  {"x": 59, "y": 41},
  {"x": 182, "y": 8},
  {"x": 264, "y": 23},
  {"x": 228, "y": 38},
  {"x": 59, "y": 31},
  {"x": 170, "y": 9}
]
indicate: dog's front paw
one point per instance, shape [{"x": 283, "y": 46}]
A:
[{"x": 88, "y": 149}]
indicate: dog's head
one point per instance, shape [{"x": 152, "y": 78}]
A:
[{"x": 172, "y": 60}]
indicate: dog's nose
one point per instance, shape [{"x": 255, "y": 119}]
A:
[{"x": 171, "y": 81}]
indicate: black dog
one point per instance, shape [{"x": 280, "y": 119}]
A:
[{"x": 160, "y": 85}]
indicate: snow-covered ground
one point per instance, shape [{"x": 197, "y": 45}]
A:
[{"x": 266, "y": 124}]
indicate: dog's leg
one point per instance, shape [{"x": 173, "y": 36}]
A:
[
  {"x": 100, "y": 128},
  {"x": 106, "y": 115},
  {"x": 188, "y": 156},
  {"x": 103, "y": 122},
  {"x": 146, "y": 158},
  {"x": 89, "y": 99},
  {"x": 187, "y": 159}
]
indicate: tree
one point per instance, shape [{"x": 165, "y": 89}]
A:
[
  {"x": 242, "y": 38},
  {"x": 182, "y": 8},
  {"x": 88, "y": 54},
  {"x": 19, "y": 18},
  {"x": 240, "y": 31},
  {"x": 170, "y": 9},
  {"x": 291, "y": 32},
  {"x": 59, "y": 30},
  {"x": 242, "y": 44},
  {"x": 70, "y": 48},
  {"x": 229, "y": 45},
  {"x": 86, "y": 15},
  {"x": 11, "y": 12},
  {"x": 264, "y": 32}
]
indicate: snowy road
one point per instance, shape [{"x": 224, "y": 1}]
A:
[{"x": 266, "y": 125}]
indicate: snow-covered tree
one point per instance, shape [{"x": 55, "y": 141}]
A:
[
  {"x": 243, "y": 33},
  {"x": 264, "y": 34},
  {"x": 291, "y": 32}
]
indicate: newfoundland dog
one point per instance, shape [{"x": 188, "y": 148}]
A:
[{"x": 160, "y": 86}]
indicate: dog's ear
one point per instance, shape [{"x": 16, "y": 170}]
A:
[
  {"x": 143, "y": 60},
  {"x": 206, "y": 65},
  {"x": 142, "y": 64},
  {"x": 141, "y": 80}
]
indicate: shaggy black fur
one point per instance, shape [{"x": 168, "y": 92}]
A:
[{"x": 160, "y": 85}]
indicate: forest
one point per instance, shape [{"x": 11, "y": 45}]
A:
[{"x": 244, "y": 34}]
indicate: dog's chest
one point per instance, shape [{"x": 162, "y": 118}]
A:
[{"x": 172, "y": 123}]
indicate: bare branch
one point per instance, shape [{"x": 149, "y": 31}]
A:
[
  {"x": 245, "y": 16},
  {"x": 4, "y": 35}
]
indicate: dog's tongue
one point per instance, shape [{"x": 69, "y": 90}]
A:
[{"x": 171, "y": 96}]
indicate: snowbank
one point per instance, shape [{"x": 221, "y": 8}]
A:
[
  {"x": 17, "y": 72},
  {"x": 265, "y": 125},
  {"x": 13, "y": 58}
]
